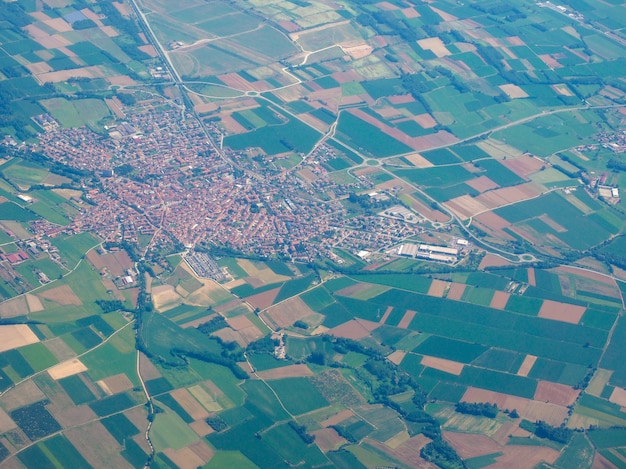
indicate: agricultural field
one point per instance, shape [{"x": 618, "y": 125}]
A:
[{"x": 312, "y": 234}]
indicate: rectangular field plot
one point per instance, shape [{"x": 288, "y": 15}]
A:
[{"x": 368, "y": 138}]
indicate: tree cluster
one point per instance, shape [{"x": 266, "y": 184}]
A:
[{"x": 484, "y": 409}]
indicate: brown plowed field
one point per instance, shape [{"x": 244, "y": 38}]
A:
[
  {"x": 556, "y": 393},
  {"x": 491, "y": 260},
  {"x": 466, "y": 206},
  {"x": 63, "y": 295},
  {"x": 328, "y": 439},
  {"x": 351, "y": 330},
  {"x": 442, "y": 364},
  {"x": 189, "y": 403},
  {"x": 514, "y": 457},
  {"x": 561, "y": 311},
  {"x": 288, "y": 312},
  {"x": 96, "y": 445},
  {"x": 523, "y": 165},
  {"x": 291, "y": 371},
  {"x": 386, "y": 315},
  {"x": 438, "y": 288},
  {"x": 586, "y": 273},
  {"x": 337, "y": 418},
  {"x": 526, "y": 365},
  {"x": 408, "y": 452},
  {"x": 456, "y": 291},
  {"x": 482, "y": 184},
  {"x": 184, "y": 458},
  {"x": 499, "y": 300},
  {"x": 396, "y": 357},
  {"x": 528, "y": 409},
  {"x": 406, "y": 319},
  {"x": 263, "y": 300}
]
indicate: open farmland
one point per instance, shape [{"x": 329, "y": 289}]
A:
[{"x": 312, "y": 234}]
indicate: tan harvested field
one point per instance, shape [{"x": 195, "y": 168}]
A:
[
  {"x": 190, "y": 404},
  {"x": 408, "y": 452},
  {"x": 556, "y": 393},
  {"x": 38, "y": 68},
  {"x": 600, "y": 462},
  {"x": 23, "y": 394},
  {"x": 502, "y": 434},
  {"x": 6, "y": 423},
  {"x": 96, "y": 445},
  {"x": 466, "y": 206},
  {"x": 201, "y": 428},
  {"x": 264, "y": 274},
  {"x": 514, "y": 457},
  {"x": 263, "y": 300},
  {"x": 499, "y": 300},
  {"x": 561, "y": 311},
  {"x": 337, "y": 418},
  {"x": 586, "y": 273},
  {"x": 513, "y": 91},
  {"x": 397, "y": 356},
  {"x": 116, "y": 262},
  {"x": 288, "y": 312},
  {"x": 328, "y": 439},
  {"x": 165, "y": 297},
  {"x": 528, "y": 409},
  {"x": 34, "y": 303},
  {"x": 456, "y": 291},
  {"x": 618, "y": 396},
  {"x": 14, "y": 307},
  {"x": 491, "y": 260},
  {"x": 64, "y": 75},
  {"x": 69, "y": 415},
  {"x": 68, "y": 368},
  {"x": 353, "y": 290},
  {"x": 526, "y": 365},
  {"x": 418, "y": 160},
  {"x": 435, "y": 45},
  {"x": 438, "y": 288},
  {"x": 482, "y": 184},
  {"x": 523, "y": 165},
  {"x": 291, "y": 371},
  {"x": 16, "y": 335},
  {"x": 426, "y": 121},
  {"x": 442, "y": 364},
  {"x": 148, "y": 370},
  {"x": 354, "y": 329},
  {"x": 184, "y": 458},
  {"x": 196, "y": 322},
  {"x": 509, "y": 195},
  {"x": 117, "y": 383},
  {"x": 531, "y": 277},
  {"x": 493, "y": 221},
  {"x": 386, "y": 315},
  {"x": 64, "y": 295},
  {"x": 406, "y": 319}
]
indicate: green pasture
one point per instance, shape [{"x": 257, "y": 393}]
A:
[
  {"x": 367, "y": 138},
  {"x": 298, "y": 395},
  {"x": 77, "y": 113},
  {"x": 276, "y": 139}
]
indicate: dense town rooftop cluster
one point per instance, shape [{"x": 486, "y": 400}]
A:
[{"x": 157, "y": 175}]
